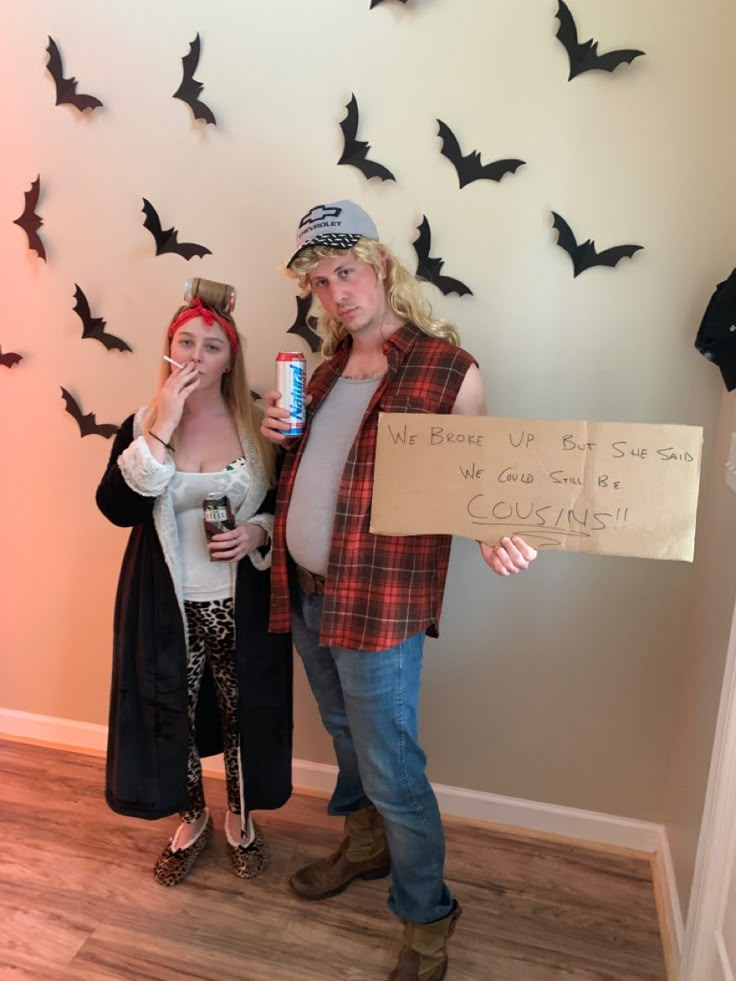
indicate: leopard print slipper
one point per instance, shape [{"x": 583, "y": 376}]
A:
[
  {"x": 173, "y": 867},
  {"x": 250, "y": 860}
]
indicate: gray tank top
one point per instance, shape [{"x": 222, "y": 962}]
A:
[{"x": 314, "y": 495}]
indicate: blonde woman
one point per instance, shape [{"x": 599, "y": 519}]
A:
[
  {"x": 195, "y": 671},
  {"x": 360, "y": 604}
]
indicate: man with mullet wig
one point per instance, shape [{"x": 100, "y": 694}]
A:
[{"x": 359, "y": 604}]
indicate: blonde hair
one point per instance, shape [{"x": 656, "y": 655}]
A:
[
  {"x": 403, "y": 293},
  {"x": 234, "y": 386}
]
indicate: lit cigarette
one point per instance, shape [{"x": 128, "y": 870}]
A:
[{"x": 171, "y": 361}]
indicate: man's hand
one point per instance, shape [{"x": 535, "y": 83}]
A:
[
  {"x": 275, "y": 419},
  {"x": 510, "y": 556}
]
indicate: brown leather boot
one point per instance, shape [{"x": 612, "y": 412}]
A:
[
  {"x": 363, "y": 854},
  {"x": 424, "y": 954}
]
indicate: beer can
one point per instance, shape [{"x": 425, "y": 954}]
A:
[
  {"x": 291, "y": 381},
  {"x": 218, "y": 516}
]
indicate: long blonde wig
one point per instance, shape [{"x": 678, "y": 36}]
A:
[
  {"x": 403, "y": 292},
  {"x": 237, "y": 395}
]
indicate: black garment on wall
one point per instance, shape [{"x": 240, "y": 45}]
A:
[{"x": 716, "y": 338}]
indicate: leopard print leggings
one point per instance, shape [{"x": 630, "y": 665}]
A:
[{"x": 211, "y": 633}]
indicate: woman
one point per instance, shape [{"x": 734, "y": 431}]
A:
[{"x": 195, "y": 671}]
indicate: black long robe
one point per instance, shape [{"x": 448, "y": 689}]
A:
[{"x": 148, "y": 732}]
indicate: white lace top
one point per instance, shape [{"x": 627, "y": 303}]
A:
[
  {"x": 201, "y": 578},
  {"x": 149, "y": 478}
]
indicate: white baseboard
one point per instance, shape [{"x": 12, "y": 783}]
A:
[
  {"x": 58, "y": 732},
  {"x": 534, "y": 817},
  {"x": 319, "y": 778},
  {"x": 672, "y": 927}
]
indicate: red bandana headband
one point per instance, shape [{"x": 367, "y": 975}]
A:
[{"x": 198, "y": 309}]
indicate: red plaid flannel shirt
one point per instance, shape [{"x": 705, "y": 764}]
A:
[{"x": 380, "y": 589}]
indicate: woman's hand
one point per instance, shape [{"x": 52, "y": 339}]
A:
[
  {"x": 167, "y": 405},
  {"x": 231, "y": 546},
  {"x": 511, "y": 555}
]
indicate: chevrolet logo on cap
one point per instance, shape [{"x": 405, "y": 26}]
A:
[{"x": 318, "y": 213}]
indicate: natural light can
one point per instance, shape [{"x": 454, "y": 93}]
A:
[{"x": 291, "y": 381}]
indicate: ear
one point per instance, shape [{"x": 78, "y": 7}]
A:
[{"x": 384, "y": 267}]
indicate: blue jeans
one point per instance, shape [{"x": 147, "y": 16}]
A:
[{"x": 368, "y": 703}]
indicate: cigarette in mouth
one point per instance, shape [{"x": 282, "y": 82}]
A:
[{"x": 171, "y": 361}]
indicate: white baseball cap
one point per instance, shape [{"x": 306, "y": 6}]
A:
[{"x": 339, "y": 225}]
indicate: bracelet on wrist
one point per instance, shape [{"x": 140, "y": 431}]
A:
[{"x": 161, "y": 441}]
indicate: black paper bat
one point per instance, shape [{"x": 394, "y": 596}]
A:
[
  {"x": 167, "y": 239},
  {"x": 190, "y": 88},
  {"x": 375, "y": 3},
  {"x": 10, "y": 360},
  {"x": 584, "y": 57},
  {"x": 430, "y": 269},
  {"x": 355, "y": 152},
  {"x": 585, "y": 255},
  {"x": 304, "y": 325},
  {"x": 469, "y": 168},
  {"x": 30, "y": 222},
  {"x": 66, "y": 88},
  {"x": 95, "y": 326},
  {"x": 88, "y": 425}
]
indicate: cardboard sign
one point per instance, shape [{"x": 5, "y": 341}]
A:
[{"x": 608, "y": 488}]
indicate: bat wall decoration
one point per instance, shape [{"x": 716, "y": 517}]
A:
[
  {"x": 585, "y": 255},
  {"x": 305, "y": 326},
  {"x": 66, "y": 88},
  {"x": 469, "y": 167},
  {"x": 10, "y": 360},
  {"x": 429, "y": 269},
  {"x": 190, "y": 89},
  {"x": 355, "y": 152},
  {"x": 167, "y": 239},
  {"x": 94, "y": 327},
  {"x": 375, "y": 3},
  {"x": 584, "y": 57},
  {"x": 30, "y": 222},
  {"x": 88, "y": 425}
]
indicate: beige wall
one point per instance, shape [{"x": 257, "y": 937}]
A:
[{"x": 564, "y": 685}]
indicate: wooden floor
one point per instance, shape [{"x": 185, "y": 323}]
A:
[{"x": 77, "y": 899}]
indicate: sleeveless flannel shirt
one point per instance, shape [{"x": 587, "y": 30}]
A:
[{"x": 380, "y": 589}]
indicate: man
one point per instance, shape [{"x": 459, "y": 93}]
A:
[{"x": 360, "y": 604}]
